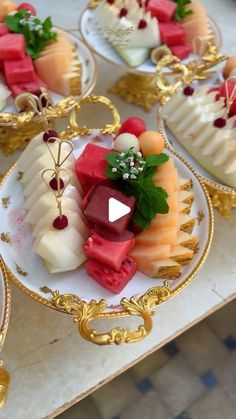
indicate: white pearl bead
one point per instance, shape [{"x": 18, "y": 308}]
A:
[{"x": 125, "y": 141}]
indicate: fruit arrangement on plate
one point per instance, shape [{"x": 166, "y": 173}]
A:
[
  {"x": 203, "y": 120},
  {"x": 143, "y": 29},
  {"x": 68, "y": 201},
  {"x": 33, "y": 55}
]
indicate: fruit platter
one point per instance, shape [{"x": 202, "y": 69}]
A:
[
  {"x": 199, "y": 122},
  {"x": 34, "y": 54},
  {"x": 107, "y": 224},
  {"x": 138, "y": 33}
]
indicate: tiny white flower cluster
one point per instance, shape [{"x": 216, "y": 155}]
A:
[
  {"x": 131, "y": 164},
  {"x": 32, "y": 25}
]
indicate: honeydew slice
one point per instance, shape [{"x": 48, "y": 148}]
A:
[
  {"x": 215, "y": 142},
  {"x": 225, "y": 152},
  {"x": 133, "y": 56},
  {"x": 46, "y": 202},
  {"x": 74, "y": 218},
  {"x": 25, "y": 156},
  {"x": 44, "y": 162}
]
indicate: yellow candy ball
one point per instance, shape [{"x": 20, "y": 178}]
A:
[{"x": 151, "y": 142}]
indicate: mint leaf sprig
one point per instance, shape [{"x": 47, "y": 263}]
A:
[
  {"x": 133, "y": 175},
  {"x": 181, "y": 10},
  {"x": 36, "y": 32}
]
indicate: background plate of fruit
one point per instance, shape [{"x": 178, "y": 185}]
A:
[
  {"x": 34, "y": 54},
  {"x": 138, "y": 33},
  {"x": 59, "y": 232},
  {"x": 199, "y": 122}
]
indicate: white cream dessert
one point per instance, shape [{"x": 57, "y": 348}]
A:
[
  {"x": 130, "y": 30},
  {"x": 201, "y": 124}
]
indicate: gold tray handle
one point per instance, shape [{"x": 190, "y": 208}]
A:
[
  {"x": 75, "y": 129},
  {"x": 4, "y": 384},
  {"x": 85, "y": 312}
]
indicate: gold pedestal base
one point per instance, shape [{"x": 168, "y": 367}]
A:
[
  {"x": 223, "y": 201},
  {"x": 4, "y": 384},
  {"x": 140, "y": 89}
]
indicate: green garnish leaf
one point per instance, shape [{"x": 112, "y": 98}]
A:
[
  {"x": 133, "y": 175},
  {"x": 181, "y": 10},
  {"x": 36, "y": 32}
]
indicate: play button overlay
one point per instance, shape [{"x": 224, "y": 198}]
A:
[{"x": 117, "y": 210}]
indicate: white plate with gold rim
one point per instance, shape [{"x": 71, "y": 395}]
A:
[
  {"x": 94, "y": 38},
  {"x": 4, "y": 305},
  {"x": 27, "y": 271},
  {"x": 89, "y": 71},
  {"x": 173, "y": 143}
]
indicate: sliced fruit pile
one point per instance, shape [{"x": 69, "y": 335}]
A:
[
  {"x": 152, "y": 233},
  {"x": 168, "y": 26},
  {"x": 204, "y": 122},
  {"x": 33, "y": 55}
]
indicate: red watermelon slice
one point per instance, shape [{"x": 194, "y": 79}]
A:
[{"x": 12, "y": 47}]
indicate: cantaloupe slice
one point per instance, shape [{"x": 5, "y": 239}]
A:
[
  {"x": 5, "y": 8},
  {"x": 172, "y": 219},
  {"x": 181, "y": 254},
  {"x": 150, "y": 253},
  {"x": 196, "y": 27},
  {"x": 152, "y": 237}
]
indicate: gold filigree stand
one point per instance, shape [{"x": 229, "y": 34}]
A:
[
  {"x": 145, "y": 89},
  {"x": 85, "y": 312},
  {"x": 223, "y": 201},
  {"x": 4, "y": 384}
]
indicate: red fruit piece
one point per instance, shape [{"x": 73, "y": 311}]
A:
[
  {"x": 123, "y": 12},
  {"x": 91, "y": 165},
  {"x": 53, "y": 184},
  {"x": 163, "y": 10},
  {"x": 60, "y": 222},
  {"x": 181, "y": 51},
  {"x": 220, "y": 122},
  {"x": 109, "y": 278},
  {"x": 50, "y": 134},
  {"x": 32, "y": 87},
  {"x": 172, "y": 33},
  {"x": 188, "y": 91},
  {"x": 133, "y": 125},
  {"x": 27, "y": 6},
  {"x": 3, "y": 29},
  {"x": 12, "y": 46},
  {"x": 142, "y": 24},
  {"x": 111, "y": 253},
  {"x": 228, "y": 90},
  {"x": 97, "y": 211},
  {"x": 19, "y": 71}
]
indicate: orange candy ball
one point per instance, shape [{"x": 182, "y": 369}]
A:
[{"x": 151, "y": 142}]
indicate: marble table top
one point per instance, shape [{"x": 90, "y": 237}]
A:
[{"x": 51, "y": 367}]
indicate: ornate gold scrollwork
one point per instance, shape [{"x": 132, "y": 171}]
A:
[
  {"x": 75, "y": 129},
  {"x": 223, "y": 201},
  {"x": 85, "y": 312},
  {"x": 4, "y": 384}
]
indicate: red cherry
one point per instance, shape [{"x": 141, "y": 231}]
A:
[
  {"x": 188, "y": 91},
  {"x": 60, "y": 222},
  {"x": 123, "y": 12},
  {"x": 133, "y": 125},
  {"x": 110, "y": 1},
  {"x": 53, "y": 183},
  {"x": 142, "y": 24},
  {"x": 219, "y": 123},
  {"x": 29, "y": 7},
  {"x": 48, "y": 134}
]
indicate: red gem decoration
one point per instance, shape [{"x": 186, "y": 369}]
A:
[
  {"x": 219, "y": 123},
  {"x": 188, "y": 91},
  {"x": 53, "y": 183},
  {"x": 142, "y": 24},
  {"x": 48, "y": 134},
  {"x": 60, "y": 222},
  {"x": 123, "y": 12}
]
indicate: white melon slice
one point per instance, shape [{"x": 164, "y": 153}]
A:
[
  {"x": 4, "y": 95},
  {"x": 224, "y": 152},
  {"x": 25, "y": 156},
  {"x": 134, "y": 56}
]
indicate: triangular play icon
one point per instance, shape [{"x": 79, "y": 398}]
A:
[{"x": 116, "y": 210}]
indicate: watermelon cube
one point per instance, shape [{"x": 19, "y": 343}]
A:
[
  {"x": 111, "y": 253},
  {"x": 181, "y": 51},
  {"x": 110, "y": 279},
  {"x": 91, "y": 165},
  {"x": 163, "y": 10},
  {"x": 12, "y": 46},
  {"x": 3, "y": 29},
  {"x": 172, "y": 33},
  {"x": 97, "y": 211},
  {"x": 31, "y": 87},
  {"x": 19, "y": 71}
]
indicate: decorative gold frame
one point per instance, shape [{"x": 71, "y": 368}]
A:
[
  {"x": 4, "y": 376},
  {"x": 223, "y": 197},
  {"x": 16, "y": 130},
  {"x": 142, "y": 306},
  {"x": 142, "y": 89}
]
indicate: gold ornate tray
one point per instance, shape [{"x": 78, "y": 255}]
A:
[
  {"x": 75, "y": 292},
  {"x": 4, "y": 319},
  {"x": 223, "y": 197}
]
